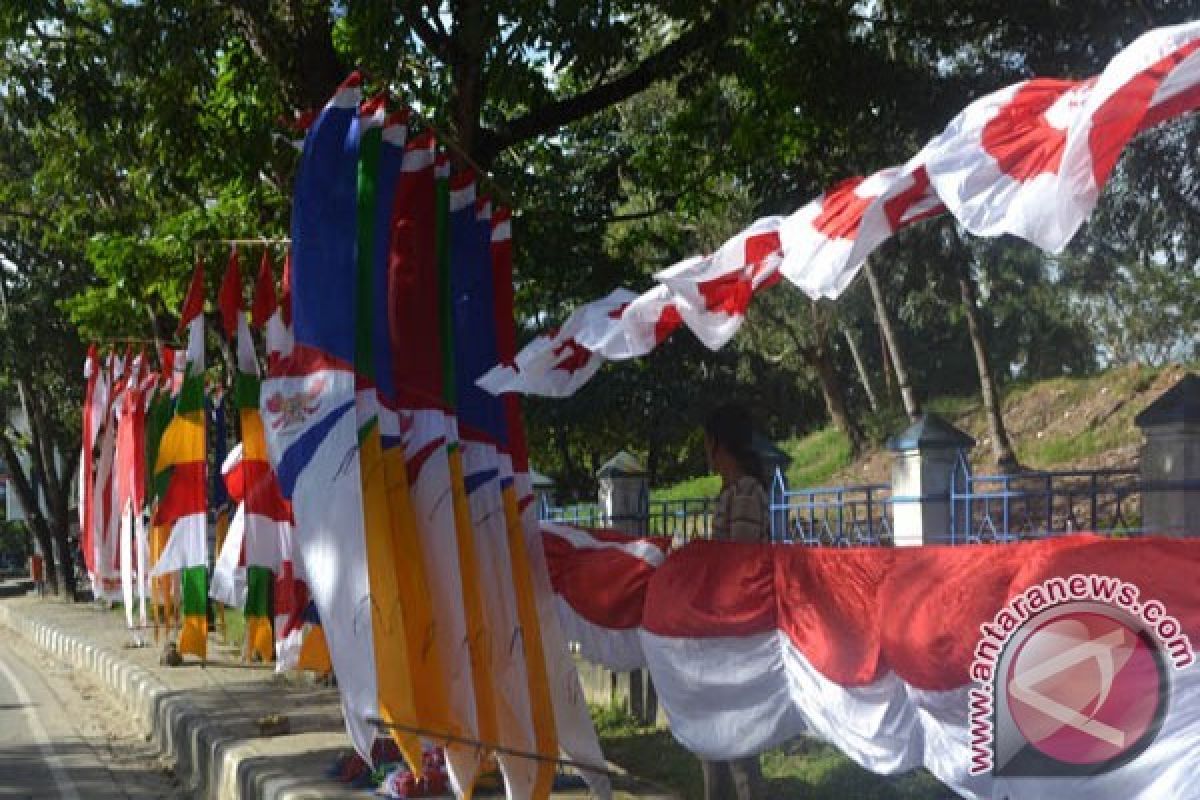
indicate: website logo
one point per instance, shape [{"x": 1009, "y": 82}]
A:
[{"x": 1072, "y": 678}]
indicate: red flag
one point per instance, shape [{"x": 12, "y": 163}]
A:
[
  {"x": 264, "y": 304},
  {"x": 229, "y": 297},
  {"x": 193, "y": 303}
]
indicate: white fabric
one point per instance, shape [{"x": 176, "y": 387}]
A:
[
  {"x": 749, "y": 259},
  {"x": 1046, "y": 209},
  {"x": 572, "y": 720},
  {"x": 228, "y": 584},
  {"x": 546, "y": 365},
  {"x": 433, "y": 507},
  {"x": 619, "y": 650},
  {"x": 327, "y": 503},
  {"x": 735, "y": 696},
  {"x": 187, "y": 546},
  {"x": 639, "y": 327},
  {"x": 507, "y": 658}
]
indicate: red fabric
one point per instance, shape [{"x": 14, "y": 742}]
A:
[
  {"x": 506, "y": 336},
  {"x": 229, "y": 296},
  {"x": 413, "y": 292},
  {"x": 285, "y": 290},
  {"x": 1122, "y": 115},
  {"x": 1020, "y": 138},
  {"x": 87, "y": 513},
  {"x": 1181, "y": 103},
  {"x": 253, "y": 483},
  {"x": 605, "y": 586},
  {"x": 185, "y": 494},
  {"x": 193, "y": 303},
  {"x": 842, "y": 210},
  {"x": 264, "y": 303},
  {"x": 856, "y": 613}
]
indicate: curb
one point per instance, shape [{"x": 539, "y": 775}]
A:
[{"x": 208, "y": 761}]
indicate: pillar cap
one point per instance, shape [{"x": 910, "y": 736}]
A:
[
  {"x": 623, "y": 465},
  {"x": 1179, "y": 404},
  {"x": 930, "y": 432}
]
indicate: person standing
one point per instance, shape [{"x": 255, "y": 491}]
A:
[{"x": 742, "y": 514}]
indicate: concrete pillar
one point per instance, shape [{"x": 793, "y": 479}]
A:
[
  {"x": 926, "y": 454},
  {"x": 623, "y": 493},
  {"x": 1170, "y": 464}
]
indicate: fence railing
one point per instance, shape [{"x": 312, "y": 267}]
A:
[
  {"x": 1032, "y": 505},
  {"x": 982, "y": 508},
  {"x": 838, "y": 516}
]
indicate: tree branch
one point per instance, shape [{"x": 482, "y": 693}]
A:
[
  {"x": 436, "y": 39},
  {"x": 548, "y": 118}
]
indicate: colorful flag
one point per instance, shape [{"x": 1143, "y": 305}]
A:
[
  {"x": 560, "y": 715},
  {"x": 181, "y": 462},
  {"x": 308, "y": 411}
]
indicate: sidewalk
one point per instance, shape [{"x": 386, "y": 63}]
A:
[{"x": 204, "y": 717}]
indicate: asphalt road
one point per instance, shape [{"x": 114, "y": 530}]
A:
[{"x": 61, "y": 736}]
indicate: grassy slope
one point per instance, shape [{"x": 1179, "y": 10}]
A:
[{"x": 1056, "y": 424}]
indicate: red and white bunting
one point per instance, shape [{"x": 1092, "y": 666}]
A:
[
  {"x": 713, "y": 293},
  {"x": 1031, "y": 159}
]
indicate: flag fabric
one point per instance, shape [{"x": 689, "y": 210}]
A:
[
  {"x": 309, "y": 414},
  {"x": 129, "y": 467},
  {"x": 599, "y": 579},
  {"x": 714, "y": 292},
  {"x": 876, "y": 650},
  {"x": 571, "y": 723},
  {"x": 93, "y": 421},
  {"x": 394, "y": 559},
  {"x": 262, "y": 520},
  {"x": 642, "y": 325},
  {"x": 180, "y": 463},
  {"x": 826, "y": 241},
  {"x": 1031, "y": 159},
  {"x": 496, "y": 234},
  {"x": 479, "y": 422},
  {"x": 410, "y": 366},
  {"x": 105, "y": 524},
  {"x": 555, "y": 364}
]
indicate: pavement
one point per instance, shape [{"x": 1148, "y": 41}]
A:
[{"x": 202, "y": 718}]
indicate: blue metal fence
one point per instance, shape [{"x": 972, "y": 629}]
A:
[
  {"x": 838, "y": 516},
  {"x": 1032, "y": 505},
  {"x": 982, "y": 508}
]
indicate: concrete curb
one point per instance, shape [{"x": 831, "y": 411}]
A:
[{"x": 209, "y": 760}]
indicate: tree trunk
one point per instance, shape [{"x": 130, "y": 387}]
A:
[
  {"x": 821, "y": 358},
  {"x": 1002, "y": 450},
  {"x": 911, "y": 406},
  {"x": 861, "y": 366}
]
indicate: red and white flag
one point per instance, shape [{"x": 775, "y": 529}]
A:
[
  {"x": 557, "y": 364},
  {"x": 1064, "y": 664},
  {"x": 635, "y": 327},
  {"x": 599, "y": 579},
  {"x": 1031, "y": 159},
  {"x": 713, "y": 293},
  {"x": 826, "y": 241}
]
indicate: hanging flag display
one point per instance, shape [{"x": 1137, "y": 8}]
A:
[
  {"x": 182, "y": 512},
  {"x": 1029, "y": 160},
  {"x": 385, "y": 525},
  {"x": 901, "y": 656}
]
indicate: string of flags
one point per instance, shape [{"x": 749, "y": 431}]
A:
[{"x": 1029, "y": 160}]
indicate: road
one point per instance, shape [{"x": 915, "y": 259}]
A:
[{"x": 62, "y": 736}]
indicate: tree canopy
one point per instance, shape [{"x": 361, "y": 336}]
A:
[{"x": 626, "y": 135}]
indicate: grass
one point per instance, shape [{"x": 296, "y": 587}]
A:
[
  {"x": 801, "y": 769},
  {"x": 817, "y": 457},
  {"x": 1058, "y": 450}
]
